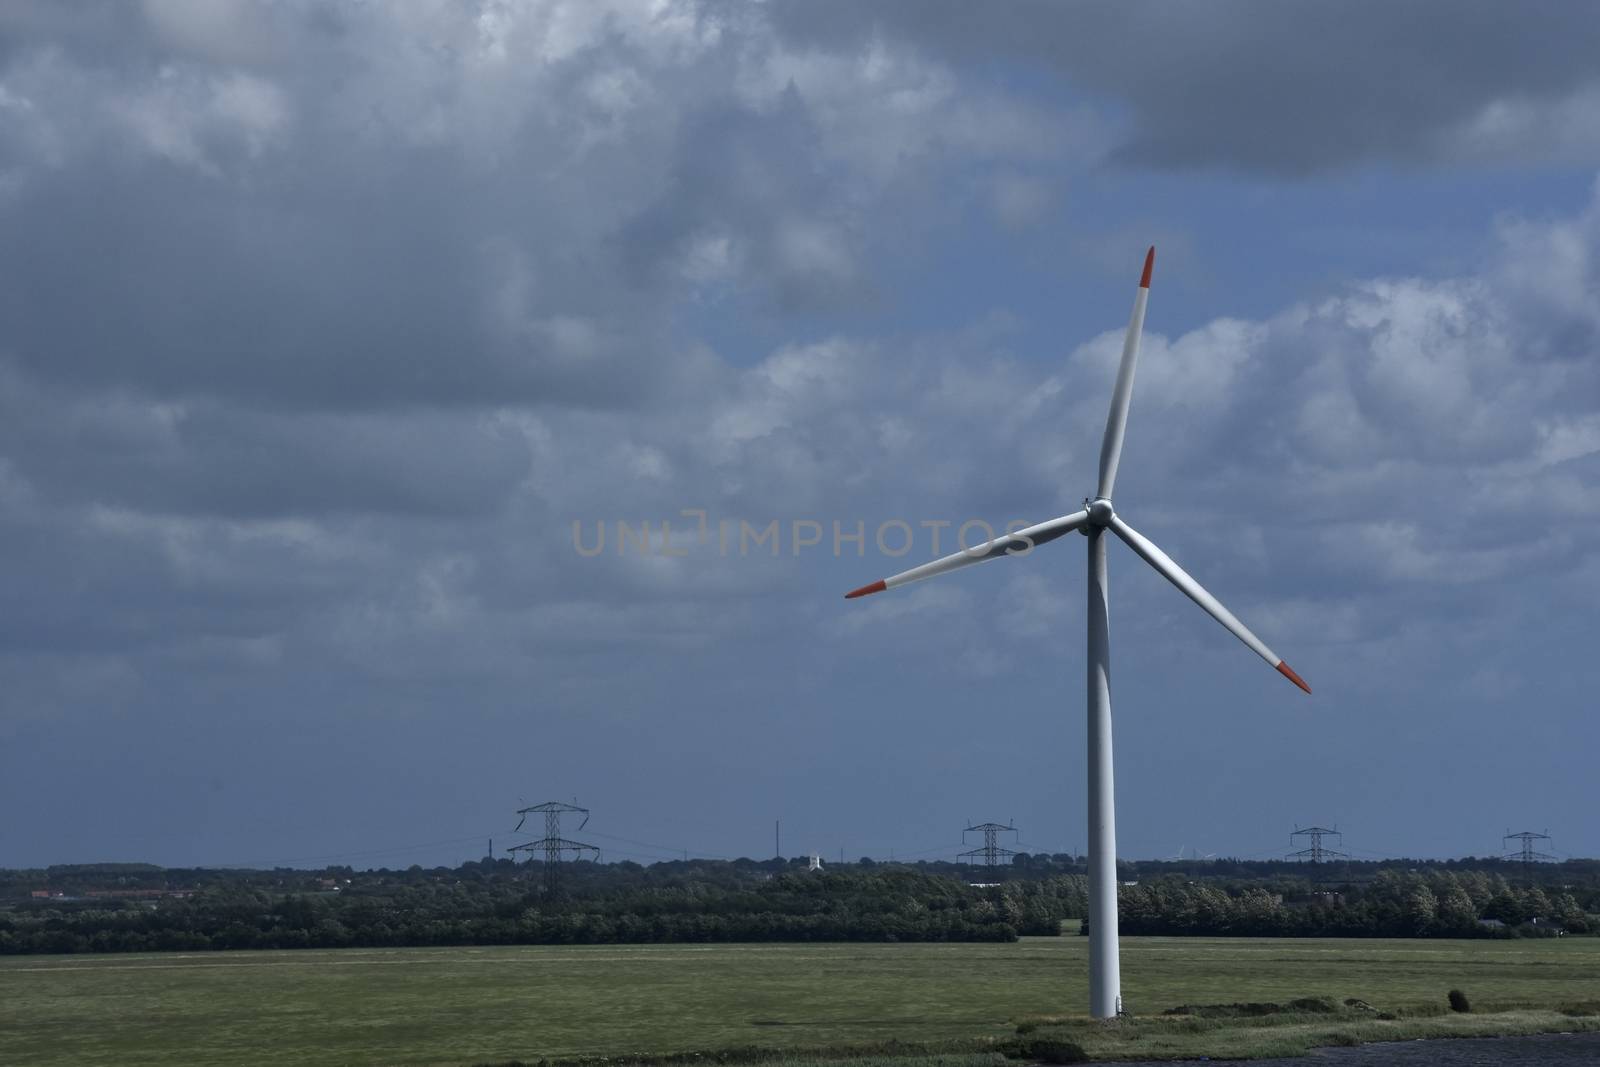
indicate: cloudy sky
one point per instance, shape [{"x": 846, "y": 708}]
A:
[{"x": 322, "y": 323}]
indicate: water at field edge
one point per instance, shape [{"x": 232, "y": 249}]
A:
[{"x": 1557, "y": 1050}]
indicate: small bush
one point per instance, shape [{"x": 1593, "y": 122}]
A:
[
  {"x": 1458, "y": 1001},
  {"x": 1047, "y": 1050},
  {"x": 1318, "y": 1005},
  {"x": 1251, "y": 1009}
]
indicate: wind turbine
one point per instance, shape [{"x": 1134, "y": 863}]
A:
[{"x": 1094, "y": 520}]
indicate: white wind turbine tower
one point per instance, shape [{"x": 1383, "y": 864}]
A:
[{"x": 1097, "y": 517}]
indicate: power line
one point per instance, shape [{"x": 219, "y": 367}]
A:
[
  {"x": 930, "y": 851},
  {"x": 648, "y": 858},
  {"x": 259, "y": 863},
  {"x": 676, "y": 851}
]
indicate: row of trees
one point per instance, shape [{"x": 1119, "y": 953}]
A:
[
  {"x": 497, "y": 903},
  {"x": 887, "y": 905},
  {"x": 1395, "y": 904}
]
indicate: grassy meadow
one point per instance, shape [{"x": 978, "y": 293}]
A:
[{"x": 471, "y": 1005}]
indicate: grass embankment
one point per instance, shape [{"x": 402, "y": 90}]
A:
[
  {"x": 1243, "y": 1032},
  {"x": 943, "y": 1005},
  {"x": 1217, "y": 1032}
]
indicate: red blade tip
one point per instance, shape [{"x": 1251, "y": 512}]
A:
[
  {"x": 1288, "y": 672},
  {"x": 875, "y": 587},
  {"x": 1149, "y": 265}
]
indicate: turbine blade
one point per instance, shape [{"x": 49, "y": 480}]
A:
[
  {"x": 1014, "y": 544},
  {"x": 1179, "y": 577},
  {"x": 1122, "y": 392}
]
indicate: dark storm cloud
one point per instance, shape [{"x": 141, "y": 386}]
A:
[
  {"x": 373, "y": 282},
  {"x": 275, "y": 205},
  {"x": 1289, "y": 87},
  {"x": 208, "y": 459},
  {"x": 92, "y": 26},
  {"x": 320, "y": 323},
  {"x": 756, "y": 186}
]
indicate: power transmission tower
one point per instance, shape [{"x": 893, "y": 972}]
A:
[
  {"x": 552, "y": 843},
  {"x": 991, "y": 850},
  {"x": 1317, "y": 853},
  {"x": 1526, "y": 852}
]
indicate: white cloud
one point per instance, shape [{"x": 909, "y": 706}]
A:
[
  {"x": 1019, "y": 201},
  {"x": 1569, "y": 438},
  {"x": 1523, "y": 129},
  {"x": 195, "y": 121},
  {"x": 226, "y": 31}
]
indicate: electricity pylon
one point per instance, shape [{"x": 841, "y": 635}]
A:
[
  {"x": 991, "y": 850},
  {"x": 553, "y": 844}
]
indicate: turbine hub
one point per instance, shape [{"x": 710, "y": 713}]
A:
[{"x": 1099, "y": 510}]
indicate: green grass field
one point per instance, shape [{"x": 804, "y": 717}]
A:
[{"x": 460, "y": 1005}]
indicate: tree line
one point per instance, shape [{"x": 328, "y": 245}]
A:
[
  {"x": 880, "y": 905},
  {"x": 500, "y": 902},
  {"x": 1436, "y": 903}
]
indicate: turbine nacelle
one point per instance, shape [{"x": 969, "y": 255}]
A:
[{"x": 1100, "y": 511}]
